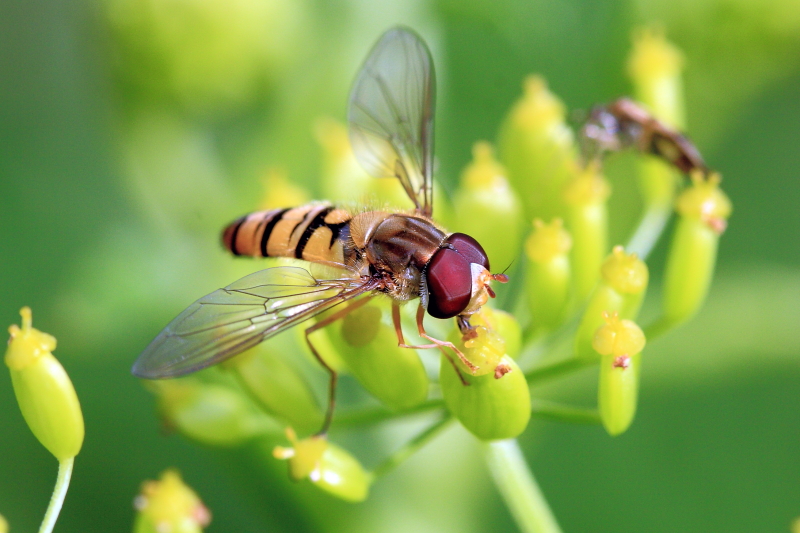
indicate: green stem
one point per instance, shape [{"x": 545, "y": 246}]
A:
[
  {"x": 518, "y": 488},
  {"x": 411, "y": 447},
  {"x": 649, "y": 230},
  {"x": 362, "y": 417},
  {"x": 564, "y": 413},
  {"x": 555, "y": 369},
  {"x": 59, "y": 492}
]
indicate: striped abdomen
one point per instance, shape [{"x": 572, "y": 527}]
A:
[{"x": 314, "y": 232}]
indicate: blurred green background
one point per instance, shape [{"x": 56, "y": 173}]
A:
[{"x": 131, "y": 131}]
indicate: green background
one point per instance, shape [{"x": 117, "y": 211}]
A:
[{"x": 107, "y": 246}]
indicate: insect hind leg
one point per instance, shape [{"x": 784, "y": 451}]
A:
[{"x": 333, "y": 374}]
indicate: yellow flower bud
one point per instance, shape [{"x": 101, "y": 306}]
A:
[
  {"x": 626, "y": 273},
  {"x": 504, "y": 324},
  {"x": 327, "y": 466},
  {"x": 549, "y": 274},
  {"x": 169, "y": 506},
  {"x": 586, "y": 197},
  {"x": 44, "y": 391},
  {"x": 487, "y": 206},
  {"x": 622, "y": 288},
  {"x": 537, "y": 147},
  {"x": 620, "y": 343},
  {"x": 618, "y": 337},
  {"x": 483, "y": 348}
]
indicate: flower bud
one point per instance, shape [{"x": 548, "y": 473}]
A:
[
  {"x": 490, "y": 407},
  {"x": 279, "y": 388},
  {"x": 211, "y": 414},
  {"x": 365, "y": 339},
  {"x": 327, "y": 466},
  {"x": 623, "y": 283},
  {"x": 619, "y": 342},
  {"x": 655, "y": 67},
  {"x": 703, "y": 210},
  {"x": 44, "y": 391},
  {"x": 483, "y": 348},
  {"x": 488, "y": 207},
  {"x": 586, "y": 197},
  {"x": 504, "y": 324},
  {"x": 549, "y": 274},
  {"x": 169, "y": 506},
  {"x": 537, "y": 147}
]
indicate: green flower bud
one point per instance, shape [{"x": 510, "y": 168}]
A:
[
  {"x": 619, "y": 342},
  {"x": 655, "y": 66},
  {"x": 44, "y": 391},
  {"x": 211, "y": 414},
  {"x": 537, "y": 147},
  {"x": 489, "y": 407},
  {"x": 327, "y": 466},
  {"x": 169, "y": 506},
  {"x": 623, "y": 283},
  {"x": 365, "y": 339},
  {"x": 279, "y": 388},
  {"x": 703, "y": 211},
  {"x": 549, "y": 274},
  {"x": 586, "y": 197},
  {"x": 487, "y": 206}
]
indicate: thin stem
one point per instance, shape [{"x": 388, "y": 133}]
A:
[
  {"x": 363, "y": 417},
  {"x": 649, "y": 230},
  {"x": 59, "y": 492},
  {"x": 411, "y": 447},
  {"x": 518, "y": 487},
  {"x": 564, "y": 413},
  {"x": 555, "y": 369}
]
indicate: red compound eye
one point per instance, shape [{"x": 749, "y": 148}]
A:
[
  {"x": 468, "y": 248},
  {"x": 449, "y": 282}
]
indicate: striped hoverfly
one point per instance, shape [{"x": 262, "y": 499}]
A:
[
  {"x": 403, "y": 255},
  {"x": 624, "y": 124}
]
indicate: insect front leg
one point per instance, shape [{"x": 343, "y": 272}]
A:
[{"x": 334, "y": 375}]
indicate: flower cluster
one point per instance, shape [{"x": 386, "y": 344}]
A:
[{"x": 540, "y": 202}]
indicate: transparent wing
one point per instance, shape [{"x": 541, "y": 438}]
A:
[
  {"x": 228, "y": 321},
  {"x": 391, "y": 114}
]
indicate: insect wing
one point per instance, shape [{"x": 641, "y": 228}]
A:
[
  {"x": 229, "y": 321},
  {"x": 391, "y": 114}
]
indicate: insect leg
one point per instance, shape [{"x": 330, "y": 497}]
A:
[
  {"x": 402, "y": 343},
  {"x": 334, "y": 376}
]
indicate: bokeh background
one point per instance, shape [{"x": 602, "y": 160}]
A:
[{"x": 131, "y": 131}]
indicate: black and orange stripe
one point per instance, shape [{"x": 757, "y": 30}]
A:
[{"x": 313, "y": 232}]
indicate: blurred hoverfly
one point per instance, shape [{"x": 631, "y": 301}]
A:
[
  {"x": 626, "y": 124},
  {"x": 401, "y": 255}
]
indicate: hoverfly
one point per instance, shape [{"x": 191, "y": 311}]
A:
[
  {"x": 401, "y": 255},
  {"x": 624, "y": 124}
]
